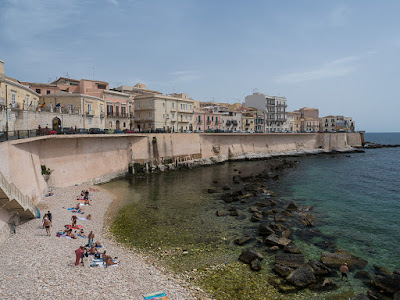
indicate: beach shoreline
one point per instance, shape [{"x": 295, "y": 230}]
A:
[{"x": 35, "y": 265}]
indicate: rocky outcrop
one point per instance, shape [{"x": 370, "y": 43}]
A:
[
  {"x": 319, "y": 268},
  {"x": 292, "y": 248},
  {"x": 250, "y": 254},
  {"x": 243, "y": 240},
  {"x": 275, "y": 240},
  {"x": 390, "y": 284},
  {"x": 289, "y": 260},
  {"x": 301, "y": 277},
  {"x": 336, "y": 259}
]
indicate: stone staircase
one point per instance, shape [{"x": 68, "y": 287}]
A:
[{"x": 14, "y": 201}]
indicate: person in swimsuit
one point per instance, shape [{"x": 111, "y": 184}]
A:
[
  {"x": 89, "y": 217},
  {"x": 73, "y": 219},
  {"x": 90, "y": 239},
  {"x": 47, "y": 225},
  {"x": 344, "y": 269}
]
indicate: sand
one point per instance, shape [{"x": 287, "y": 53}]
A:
[{"x": 34, "y": 265}]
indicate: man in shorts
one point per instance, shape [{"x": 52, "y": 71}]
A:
[
  {"x": 47, "y": 225},
  {"x": 344, "y": 269}
]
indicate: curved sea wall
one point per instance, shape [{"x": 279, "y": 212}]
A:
[{"x": 75, "y": 159}]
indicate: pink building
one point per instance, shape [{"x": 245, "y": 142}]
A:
[{"x": 207, "y": 119}]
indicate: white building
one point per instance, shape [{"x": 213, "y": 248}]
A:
[{"x": 274, "y": 107}]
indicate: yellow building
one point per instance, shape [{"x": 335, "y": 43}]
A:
[{"x": 248, "y": 121}]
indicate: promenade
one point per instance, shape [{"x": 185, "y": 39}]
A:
[{"x": 35, "y": 266}]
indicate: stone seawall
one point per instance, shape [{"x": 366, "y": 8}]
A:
[{"x": 75, "y": 159}]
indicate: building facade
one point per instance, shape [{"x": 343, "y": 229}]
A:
[
  {"x": 274, "y": 107},
  {"x": 309, "y": 119},
  {"x": 336, "y": 123}
]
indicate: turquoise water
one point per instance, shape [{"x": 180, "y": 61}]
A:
[{"x": 356, "y": 199}]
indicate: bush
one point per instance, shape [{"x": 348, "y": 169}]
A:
[{"x": 45, "y": 170}]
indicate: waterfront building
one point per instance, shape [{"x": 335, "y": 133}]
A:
[
  {"x": 274, "y": 108},
  {"x": 309, "y": 119},
  {"x": 16, "y": 101},
  {"x": 232, "y": 121},
  {"x": 170, "y": 113},
  {"x": 208, "y": 118},
  {"x": 247, "y": 121},
  {"x": 336, "y": 123}
]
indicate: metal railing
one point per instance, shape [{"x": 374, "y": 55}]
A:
[{"x": 13, "y": 192}]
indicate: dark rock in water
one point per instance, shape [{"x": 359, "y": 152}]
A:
[
  {"x": 336, "y": 259},
  {"x": 290, "y": 260},
  {"x": 372, "y": 295},
  {"x": 211, "y": 191},
  {"x": 275, "y": 240},
  {"x": 272, "y": 202},
  {"x": 381, "y": 270},
  {"x": 226, "y": 188},
  {"x": 308, "y": 220},
  {"x": 396, "y": 272},
  {"x": 363, "y": 275},
  {"x": 274, "y": 248},
  {"x": 215, "y": 181},
  {"x": 256, "y": 217},
  {"x": 327, "y": 285},
  {"x": 221, "y": 213},
  {"x": 360, "y": 297},
  {"x": 254, "y": 209},
  {"x": 319, "y": 269},
  {"x": 326, "y": 245},
  {"x": 261, "y": 204},
  {"x": 250, "y": 254},
  {"x": 233, "y": 213},
  {"x": 292, "y": 248},
  {"x": 279, "y": 218},
  {"x": 301, "y": 277},
  {"x": 255, "y": 265},
  {"x": 236, "y": 179},
  {"x": 286, "y": 233},
  {"x": 292, "y": 207},
  {"x": 269, "y": 212},
  {"x": 276, "y": 177},
  {"x": 243, "y": 240},
  {"x": 307, "y": 208},
  {"x": 230, "y": 197},
  {"x": 265, "y": 230},
  {"x": 389, "y": 284},
  {"x": 282, "y": 270}
]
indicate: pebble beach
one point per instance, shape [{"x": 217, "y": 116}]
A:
[{"x": 35, "y": 265}]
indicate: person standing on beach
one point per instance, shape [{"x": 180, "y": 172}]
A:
[
  {"x": 49, "y": 215},
  {"x": 344, "y": 269},
  {"x": 79, "y": 255},
  {"x": 47, "y": 224},
  {"x": 90, "y": 239}
]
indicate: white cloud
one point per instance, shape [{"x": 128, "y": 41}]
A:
[
  {"x": 184, "y": 76},
  {"x": 336, "y": 68}
]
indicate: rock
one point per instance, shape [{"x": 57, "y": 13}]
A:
[
  {"x": 211, "y": 191},
  {"x": 221, "y": 213},
  {"x": 274, "y": 248},
  {"x": 236, "y": 179},
  {"x": 265, "y": 230},
  {"x": 240, "y": 217},
  {"x": 272, "y": 202},
  {"x": 269, "y": 212},
  {"x": 282, "y": 270},
  {"x": 389, "y": 284},
  {"x": 292, "y": 248},
  {"x": 250, "y": 254},
  {"x": 255, "y": 265},
  {"x": 360, "y": 297},
  {"x": 308, "y": 220},
  {"x": 285, "y": 288},
  {"x": 319, "y": 268},
  {"x": 276, "y": 177},
  {"x": 290, "y": 260},
  {"x": 381, "y": 270},
  {"x": 301, "y": 277},
  {"x": 243, "y": 240},
  {"x": 372, "y": 295},
  {"x": 261, "y": 204},
  {"x": 254, "y": 209},
  {"x": 396, "y": 272},
  {"x": 279, "y": 218},
  {"x": 286, "y": 233},
  {"x": 307, "y": 208},
  {"x": 226, "y": 188},
  {"x": 328, "y": 284},
  {"x": 256, "y": 217},
  {"x": 233, "y": 213},
  {"x": 396, "y": 296},
  {"x": 230, "y": 197},
  {"x": 215, "y": 181},
  {"x": 292, "y": 207},
  {"x": 274, "y": 240},
  {"x": 336, "y": 259},
  {"x": 363, "y": 275}
]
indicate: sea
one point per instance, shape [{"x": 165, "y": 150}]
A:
[{"x": 355, "y": 199}]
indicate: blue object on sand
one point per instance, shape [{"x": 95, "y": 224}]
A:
[{"x": 156, "y": 296}]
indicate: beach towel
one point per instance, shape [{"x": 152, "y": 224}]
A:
[
  {"x": 76, "y": 227},
  {"x": 84, "y": 237},
  {"x": 156, "y": 296},
  {"x": 83, "y": 200},
  {"x": 83, "y": 204},
  {"x": 83, "y": 219}
]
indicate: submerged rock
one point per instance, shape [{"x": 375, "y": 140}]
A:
[
  {"x": 275, "y": 240},
  {"x": 389, "y": 284},
  {"x": 301, "y": 277},
  {"x": 292, "y": 207},
  {"x": 282, "y": 270},
  {"x": 336, "y": 259},
  {"x": 265, "y": 230},
  {"x": 255, "y": 265},
  {"x": 292, "y": 248},
  {"x": 256, "y": 217},
  {"x": 211, "y": 191},
  {"x": 243, "y": 240},
  {"x": 319, "y": 268},
  {"x": 381, "y": 270},
  {"x": 250, "y": 254},
  {"x": 221, "y": 213},
  {"x": 290, "y": 260},
  {"x": 360, "y": 297},
  {"x": 363, "y": 275}
]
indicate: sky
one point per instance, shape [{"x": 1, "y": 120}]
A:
[{"x": 341, "y": 57}]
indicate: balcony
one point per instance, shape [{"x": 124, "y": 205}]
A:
[
  {"x": 89, "y": 114},
  {"x": 208, "y": 122},
  {"x": 15, "y": 106}
]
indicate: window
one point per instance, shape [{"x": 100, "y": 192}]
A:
[
  {"x": 137, "y": 104},
  {"x": 38, "y": 91},
  {"x": 163, "y": 116},
  {"x": 27, "y": 100},
  {"x": 109, "y": 109},
  {"x": 149, "y": 103},
  {"x": 199, "y": 119},
  {"x": 89, "y": 108},
  {"x": 89, "y": 121},
  {"x": 13, "y": 98},
  {"x": 149, "y": 114},
  {"x": 163, "y": 104},
  {"x": 124, "y": 124},
  {"x": 101, "y": 86},
  {"x": 110, "y": 124},
  {"x": 173, "y": 105},
  {"x": 173, "y": 115},
  {"x": 48, "y": 92},
  {"x": 101, "y": 108}
]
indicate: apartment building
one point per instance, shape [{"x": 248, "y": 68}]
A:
[
  {"x": 336, "y": 123},
  {"x": 170, "y": 113},
  {"x": 293, "y": 121},
  {"x": 309, "y": 119},
  {"x": 247, "y": 121},
  {"x": 274, "y": 107},
  {"x": 208, "y": 118}
]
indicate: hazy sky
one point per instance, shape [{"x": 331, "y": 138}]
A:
[{"x": 339, "y": 56}]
